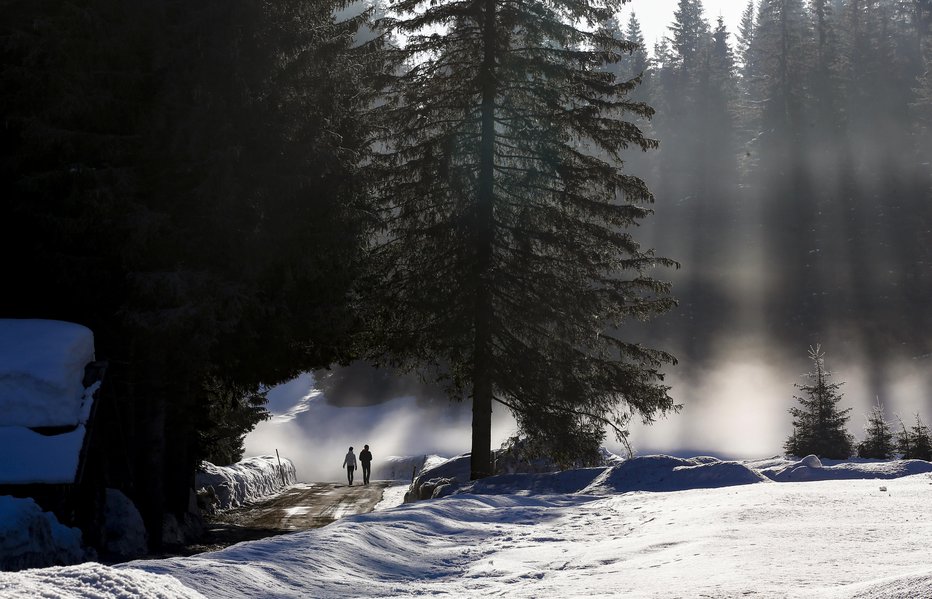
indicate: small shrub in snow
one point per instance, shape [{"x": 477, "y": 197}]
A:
[
  {"x": 915, "y": 443},
  {"x": 879, "y": 441},
  {"x": 523, "y": 455}
]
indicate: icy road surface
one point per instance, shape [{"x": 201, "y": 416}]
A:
[{"x": 299, "y": 507}]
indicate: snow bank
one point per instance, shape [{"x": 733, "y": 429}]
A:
[
  {"x": 548, "y": 483},
  {"x": 650, "y": 473},
  {"x": 41, "y": 371},
  {"x": 124, "y": 531},
  {"x": 812, "y": 468},
  {"x": 665, "y": 473},
  {"x": 440, "y": 479},
  {"x": 245, "y": 481},
  {"x": 93, "y": 580},
  {"x": 31, "y": 538},
  {"x": 404, "y": 467}
]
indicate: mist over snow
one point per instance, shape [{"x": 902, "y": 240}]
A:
[
  {"x": 734, "y": 405},
  {"x": 315, "y": 434}
]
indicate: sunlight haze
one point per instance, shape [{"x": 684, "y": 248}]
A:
[{"x": 655, "y": 16}]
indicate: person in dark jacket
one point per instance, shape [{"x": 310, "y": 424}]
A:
[{"x": 365, "y": 458}]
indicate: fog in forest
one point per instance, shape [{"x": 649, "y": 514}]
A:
[{"x": 792, "y": 184}]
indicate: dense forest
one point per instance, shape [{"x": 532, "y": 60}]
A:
[
  {"x": 793, "y": 175},
  {"x": 197, "y": 183},
  {"x": 184, "y": 179}
]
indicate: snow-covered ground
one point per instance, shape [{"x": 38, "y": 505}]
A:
[{"x": 653, "y": 527}]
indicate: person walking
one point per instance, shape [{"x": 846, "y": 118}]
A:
[
  {"x": 349, "y": 462},
  {"x": 365, "y": 458}
]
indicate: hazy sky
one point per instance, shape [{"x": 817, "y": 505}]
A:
[{"x": 656, "y": 15}]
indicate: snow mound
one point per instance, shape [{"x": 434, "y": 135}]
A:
[
  {"x": 811, "y": 468},
  {"x": 404, "y": 467},
  {"x": 248, "y": 480},
  {"x": 440, "y": 479},
  {"x": 124, "y": 530},
  {"x": 909, "y": 586},
  {"x": 548, "y": 483},
  {"x": 92, "y": 580},
  {"x": 666, "y": 473},
  {"x": 31, "y": 538},
  {"x": 42, "y": 371}
]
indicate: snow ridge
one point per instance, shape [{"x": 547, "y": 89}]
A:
[{"x": 248, "y": 480}]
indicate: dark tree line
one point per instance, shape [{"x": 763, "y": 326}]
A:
[
  {"x": 230, "y": 192},
  {"x": 183, "y": 178},
  {"x": 794, "y": 171}
]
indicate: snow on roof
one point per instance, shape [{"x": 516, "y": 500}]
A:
[
  {"x": 41, "y": 371},
  {"x": 42, "y": 385}
]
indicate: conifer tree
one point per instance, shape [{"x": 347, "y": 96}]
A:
[
  {"x": 878, "y": 443},
  {"x": 639, "y": 62},
  {"x": 915, "y": 443},
  {"x": 921, "y": 105},
  {"x": 825, "y": 88},
  {"x": 782, "y": 50},
  {"x": 744, "y": 38},
  {"x": 506, "y": 249},
  {"x": 818, "y": 424}
]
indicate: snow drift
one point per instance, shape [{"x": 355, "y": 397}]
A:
[
  {"x": 812, "y": 468},
  {"x": 225, "y": 487},
  {"x": 31, "y": 538}
]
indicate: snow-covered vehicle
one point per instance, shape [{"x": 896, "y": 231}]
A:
[{"x": 49, "y": 384}]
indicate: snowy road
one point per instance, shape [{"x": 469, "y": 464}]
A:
[{"x": 299, "y": 507}]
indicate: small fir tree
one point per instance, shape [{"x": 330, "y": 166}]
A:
[
  {"x": 915, "y": 443},
  {"x": 878, "y": 443},
  {"x": 818, "y": 423}
]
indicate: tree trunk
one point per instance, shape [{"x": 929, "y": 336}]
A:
[{"x": 482, "y": 386}]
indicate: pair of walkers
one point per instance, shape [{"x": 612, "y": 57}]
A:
[{"x": 349, "y": 462}]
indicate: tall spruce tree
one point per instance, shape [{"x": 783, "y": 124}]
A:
[
  {"x": 639, "y": 61},
  {"x": 878, "y": 443},
  {"x": 745, "y": 37},
  {"x": 507, "y": 259},
  {"x": 818, "y": 424}
]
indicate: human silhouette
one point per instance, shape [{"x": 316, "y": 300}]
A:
[
  {"x": 365, "y": 458},
  {"x": 349, "y": 462}
]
